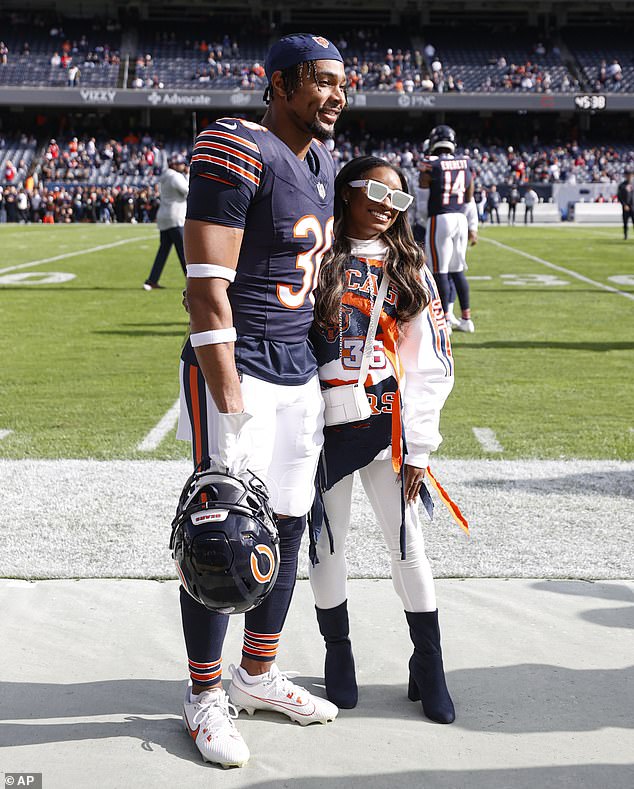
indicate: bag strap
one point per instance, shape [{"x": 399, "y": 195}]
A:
[{"x": 368, "y": 348}]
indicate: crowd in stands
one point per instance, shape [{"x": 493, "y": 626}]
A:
[
  {"x": 92, "y": 179},
  {"x": 55, "y": 56},
  {"x": 496, "y": 163},
  {"x": 371, "y": 64},
  {"x": 497, "y": 67},
  {"x": 138, "y": 157},
  {"x": 71, "y": 52},
  {"x": 609, "y": 75},
  {"x": 64, "y": 205}
]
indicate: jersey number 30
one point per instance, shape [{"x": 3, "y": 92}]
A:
[{"x": 308, "y": 261}]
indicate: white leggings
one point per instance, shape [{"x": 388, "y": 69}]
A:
[{"x": 412, "y": 577}]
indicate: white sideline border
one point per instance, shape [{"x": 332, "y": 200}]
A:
[
  {"x": 88, "y": 251},
  {"x": 561, "y": 269},
  {"x": 528, "y": 518},
  {"x": 487, "y": 439},
  {"x": 160, "y": 430}
]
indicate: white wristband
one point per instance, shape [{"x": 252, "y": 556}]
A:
[
  {"x": 213, "y": 337},
  {"x": 210, "y": 270}
]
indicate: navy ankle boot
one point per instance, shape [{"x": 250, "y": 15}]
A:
[
  {"x": 426, "y": 673},
  {"x": 341, "y": 682}
]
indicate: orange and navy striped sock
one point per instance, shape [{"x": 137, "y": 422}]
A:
[
  {"x": 206, "y": 674},
  {"x": 260, "y": 646}
]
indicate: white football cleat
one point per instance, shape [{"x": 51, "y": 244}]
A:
[
  {"x": 277, "y": 693},
  {"x": 452, "y": 320},
  {"x": 466, "y": 324},
  {"x": 209, "y": 722}
]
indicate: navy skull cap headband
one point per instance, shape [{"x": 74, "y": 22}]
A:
[{"x": 298, "y": 48}]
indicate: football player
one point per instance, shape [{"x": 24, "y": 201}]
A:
[
  {"x": 449, "y": 179},
  {"x": 463, "y": 324},
  {"x": 625, "y": 196},
  {"x": 259, "y": 221}
]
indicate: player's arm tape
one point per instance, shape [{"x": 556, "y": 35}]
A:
[
  {"x": 210, "y": 270},
  {"x": 213, "y": 337}
]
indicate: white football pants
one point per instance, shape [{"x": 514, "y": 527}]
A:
[
  {"x": 446, "y": 242},
  {"x": 283, "y": 439},
  {"x": 412, "y": 577}
]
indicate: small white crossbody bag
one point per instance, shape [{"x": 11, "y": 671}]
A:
[{"x": 349, "y": 403}]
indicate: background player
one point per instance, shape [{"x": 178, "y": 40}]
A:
[
  {"x": 463, "y": 323},
  {"x": 170, "y": 218},
  {"x": 449, "y": 179},
  {"x": 626, "y": 199},
  {"x": 258, "y": 223}
]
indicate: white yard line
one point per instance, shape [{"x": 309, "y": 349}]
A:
[
  {"x": 563, "y": 270},
  {"x": 74, "y": 254},
  {"x": 487, "y": 439},
  {"x": 158, "y": 433},
  {"x": 5, "y": 433}
]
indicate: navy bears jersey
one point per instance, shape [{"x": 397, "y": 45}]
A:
[
  {"x": 242, "y": 175},
  {"x": 451, "y": 176}
]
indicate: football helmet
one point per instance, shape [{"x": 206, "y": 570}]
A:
[
  {"x": 442, "y": 137},
  {"x": 225, "y": 541}
]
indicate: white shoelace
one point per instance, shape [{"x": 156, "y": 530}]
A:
[
  {"x": 281, "y": 682},
  {"x": 220, "y": 701}
]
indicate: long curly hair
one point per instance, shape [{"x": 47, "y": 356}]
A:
[{"x": 403, "y": 261}]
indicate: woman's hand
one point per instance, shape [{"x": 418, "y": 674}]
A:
[{"x": 413, "y": 480}]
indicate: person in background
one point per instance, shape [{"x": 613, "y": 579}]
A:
[
  {"x": 625, "y": 195},
  {"x": 513, "y": 200},
  {"x": 449, "y": 178},
  {"x": 530, "y": 200},
  {"x": 492, "y": 203},
  {"x": 463, "y": 324},
  {"x": 170, "y": 219}
]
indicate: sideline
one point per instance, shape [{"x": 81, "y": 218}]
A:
[
  {"x": 528, "y": 518},
  {"x": 561, "y": 269},
  {"x": 487, "y": 439},
  {"x": 74, "y": 254},
  {"x": 160, "y": 430}
]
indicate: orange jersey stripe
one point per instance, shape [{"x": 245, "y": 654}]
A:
[
  {"x": 193, "y": 387},
  {"x": 232, "y": 151},
  {"x": 229, "y": 165},
  {"x": 215, "y": 178},
  {"x": 234, "y": 137}
]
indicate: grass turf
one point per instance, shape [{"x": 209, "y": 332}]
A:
[{"x": 89, "y": 365}]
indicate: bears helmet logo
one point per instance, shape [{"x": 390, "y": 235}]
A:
[{"x": 262, "y": 578}]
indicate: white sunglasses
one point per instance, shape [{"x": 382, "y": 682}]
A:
[{"x": 377, "y": 191}]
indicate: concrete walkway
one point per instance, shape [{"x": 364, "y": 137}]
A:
[{"x": 92, "y": 677}]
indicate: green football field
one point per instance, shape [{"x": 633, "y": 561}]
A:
[{"x": 90, "y": 360}]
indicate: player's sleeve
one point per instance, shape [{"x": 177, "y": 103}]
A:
[
  {"x": 425, "y": 353},
  {"x": 225, "y": 174},
  {"x": 471, "y": 212}
]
